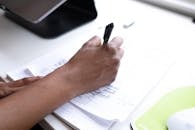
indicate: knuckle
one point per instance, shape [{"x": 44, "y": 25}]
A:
[
  {"x": 87, "y": 45},
  {"x": 89, "y": 42},
  {"x": 115, "y": 60},
  {"x": 116, "y": 51},
  {"x": 25, "y": 80},
  {"x": 96, "y": 38},
  {"x": 2, "y": 84},
  {"x": 94, "y": 41},
  {"x": 113, "y": 49},
  {"x": 113, "y": 79},
  {"x": 1, "y": 93},
  {"x": 4, "y": 91},
  {"x": 115, "y": 70}
]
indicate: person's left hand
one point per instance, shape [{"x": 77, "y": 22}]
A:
[{"x": 13, "y": 86}]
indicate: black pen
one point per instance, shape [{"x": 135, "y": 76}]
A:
[{"x": 108, "y": 32}]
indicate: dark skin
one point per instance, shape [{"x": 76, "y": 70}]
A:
[{"x": 29, "y": 100}]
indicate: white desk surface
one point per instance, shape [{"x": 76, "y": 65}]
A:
[{"x": 155, "y": 32}]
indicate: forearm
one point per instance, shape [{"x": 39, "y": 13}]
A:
[
  {"x": 92, "y": 67},
  {"x": 24, "y": 108}
]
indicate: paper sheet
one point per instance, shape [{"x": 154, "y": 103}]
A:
[
  {"x": 19, "y": 74},
  {"x": 109, "y": 96},
  {"x": 117, "y": 105},
  {"x": 69, "y": 113},
  {"x": 116, "y": 101},
  {"x": 137, "y": 76},
  {"x": 80, "y": 119},
  {"x": 46, "y": 64}
]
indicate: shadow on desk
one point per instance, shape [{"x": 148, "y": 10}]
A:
[{"x": 37, "y": 127}]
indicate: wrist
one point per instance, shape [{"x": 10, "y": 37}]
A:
[{"x": 62, "y": 77}]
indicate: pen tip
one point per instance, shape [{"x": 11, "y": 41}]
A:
[{"x": 111, "y": 24}]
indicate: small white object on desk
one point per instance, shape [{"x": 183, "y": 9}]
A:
[{"x": 183, "y": 120}]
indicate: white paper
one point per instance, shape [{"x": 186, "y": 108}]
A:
[
  {"x": 75, "y": 117},
  {"x": 130, "y": 91},
  {"x": 70, "y": 114},
  {"x": 79, "y": 119},
  {"x": 140, "y": 72},
  {"x": 116, "y": 101},
  {"x": 46, "y": 64},
  {"x": 19, "y": 74}
]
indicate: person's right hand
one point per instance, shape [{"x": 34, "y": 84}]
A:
[{"x": 94, "y": 65}]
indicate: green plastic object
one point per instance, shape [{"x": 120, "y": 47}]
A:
[{"x": 156, "y": 117}]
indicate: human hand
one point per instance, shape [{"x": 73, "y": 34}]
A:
[
  {"x": 94, "y": 65},
  {"x": 13, "y": 86}
]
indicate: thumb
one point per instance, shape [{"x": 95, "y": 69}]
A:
[{"x": 94, "y": 41}]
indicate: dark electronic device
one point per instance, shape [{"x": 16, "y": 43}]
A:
[{"x": 49, "y": 18}]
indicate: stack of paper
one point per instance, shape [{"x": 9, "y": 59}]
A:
[
  {"x": 100, "y": 109},
  {"x": 75, "y": 113}
]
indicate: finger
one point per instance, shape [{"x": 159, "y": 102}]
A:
[
  {"x": 119, "y": 54},
  {"x": 94, "y": 41},
  {"x": 2, "y": 84},
  {"x": 117, "y": 57},
  {"x": 6, "y": 91},
  {"x": 23, "y": 81},
  {"x": 116, "y": 51},
  {"x": 116, "y": 42},
  {"x": 16, "y": 89}
]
